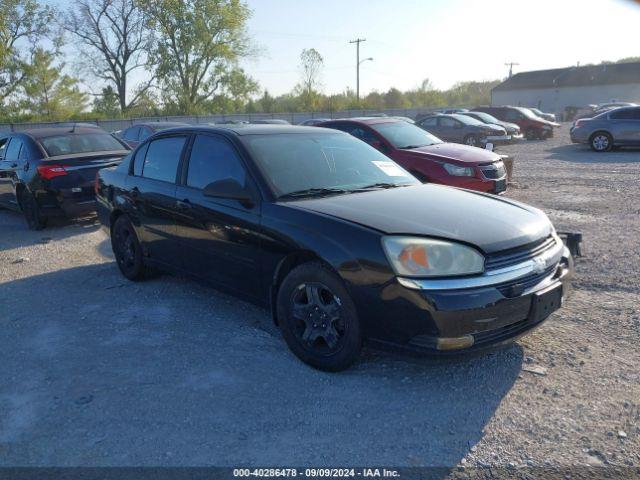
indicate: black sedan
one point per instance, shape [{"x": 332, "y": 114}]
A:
[
  {"x": 336, "y": 239},
  {"x": 51, "y": 171}
]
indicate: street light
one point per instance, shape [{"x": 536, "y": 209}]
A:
[{"x": 358, "y": 77}]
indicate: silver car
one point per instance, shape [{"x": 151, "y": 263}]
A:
[{"x": 619, "y": 127}]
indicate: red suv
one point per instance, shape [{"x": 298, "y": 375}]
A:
[
  {"x": 532, "y": 126},
  {"x": 427, "y": 157}
]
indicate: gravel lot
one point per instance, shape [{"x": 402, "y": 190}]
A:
[{"x": 99, "y": 371}]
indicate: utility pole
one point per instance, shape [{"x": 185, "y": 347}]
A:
[
  {"x": 358, "y": 41},
  {"x": 510, "y": 65}
]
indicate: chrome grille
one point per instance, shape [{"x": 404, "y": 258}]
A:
[
  {"x": 514, "y": 256},
  {"x": 493, "y": 171}
]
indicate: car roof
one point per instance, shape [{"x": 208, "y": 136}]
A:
[
  {"x": 369, "y": 120},
  {"x": 37, "y": 133},
  {"x": 159, "y": 124},
  {"x": 250, "y": 129}
]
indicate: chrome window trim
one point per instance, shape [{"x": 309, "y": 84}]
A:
[{"x": 491, "y": 277}]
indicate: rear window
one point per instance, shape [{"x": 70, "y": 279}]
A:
[{"x": 71, "y": 143}]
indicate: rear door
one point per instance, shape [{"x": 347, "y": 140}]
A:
[
  {"x": 220, "y": 238},
  {"x": 625, "y": 126},
  {"x": 430, "y": 124},
  {"x": 152, "y": 189},
  {"x": 10, "y": 148},
  {"x": 449, "y": 129}
]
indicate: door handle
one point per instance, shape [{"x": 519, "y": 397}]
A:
[
  {"x": 14, "y": 165},
  {"x": 183, "y": 205}
]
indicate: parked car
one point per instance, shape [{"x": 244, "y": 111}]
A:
[
  {"x": 426, "y": 156},
  {"x": 460, "y": 128},
  {"x": 512, "y": 129},
  {"x": 342, "y": 244},
  {"x": 449, "y": 111},
  {"x": 139, "y": 132},
  {"x": 619, "y": 127},
  {"x": 547, "y": 116},
  {"x": 532, "y": 126},
  {"x": 406, "y": 119},
  {"x": 270, "y": 121},
  {"x": 311, "y": 122},
  {"x": 51, "y": 171}
]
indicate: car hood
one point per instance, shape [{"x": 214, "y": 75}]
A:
[
  {"x": 456, "y": 152},
  {"x": 490, "y": 223},
  {"x": 510, "y": 127}
]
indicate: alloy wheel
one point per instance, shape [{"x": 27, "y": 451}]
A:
[
  {"x": 471, "y": 141},
  {"x": 125, "y": 248},
  {"x": 600, "y": 142},
  {"x": 320, "y": 327}
]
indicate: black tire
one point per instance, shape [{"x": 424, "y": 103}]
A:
[
  {"x": 127, "y": 249},
  {"x": 31, "y": 211},
  {"x": 471, "y": 140},
  {"x": 601, "y": 142},
  {"x": 531, "y": 134},
  {"x": 318, "y": 319}
]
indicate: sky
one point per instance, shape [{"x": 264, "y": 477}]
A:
[{"x": 446, "y": 41}]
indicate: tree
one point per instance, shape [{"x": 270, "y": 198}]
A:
[
  {"x": 311, "y": 63},
  {"x": 48, "y": 93},
  {"x": 107, "y": 103},
  {"x": 23, "y": 24},
  {"x": 267, "y": 102},
  {"x": 196, "y": 44},
  {"x": 115, "y": 40}
]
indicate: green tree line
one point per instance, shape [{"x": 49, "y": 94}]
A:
[{"x": 163, "y": 57}]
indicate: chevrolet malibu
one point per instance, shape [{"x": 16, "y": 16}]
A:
[{"x": 339, "y": 242}]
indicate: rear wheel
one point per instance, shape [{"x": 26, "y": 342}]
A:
[
  {"x": 31, "y": 211},
  {"x": 531, "y": 134},
  {"x": 471, "y": 140},
  {"x": 318, "y": 318},
  {"x": 601, "y": 142},
  {"x": 127, "y": 250}
]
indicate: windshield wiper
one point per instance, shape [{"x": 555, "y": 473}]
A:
[
  {"x": 411, "y": 147},
  {"x": 382, "y": 185},
  {"x": 312, "y": 192}
]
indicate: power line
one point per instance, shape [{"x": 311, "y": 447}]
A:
[{"x": 510, "y": 65}]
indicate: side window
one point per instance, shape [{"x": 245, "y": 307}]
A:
[
  {"x": 162, "y": 158},
  {"x": 3, "y": 147},
  {"x": 626, "y": 114},
  {"x": 448, "y": 122},
  {"x": 138, "y": 160},
  {"x": 13, "y": 150},
  {"x": 511, "y": 115},
  {"x": 131, "y": 133},
  {"x": 145, "y": 132},
  {"x": 429, "y": 122},
  {"x": 213, "y": 159},
  {"x": 24, "y": 153},
  {"x": 364, "y": 135}
]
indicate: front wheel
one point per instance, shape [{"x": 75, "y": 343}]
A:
[
  {"x": 318, "y": 319},
  {"x": 127, "y": 250},
  {"x": 31, "y": 211},
  {"x": 601, "y": 142},
  {"x": 531, "y": 134},
  {"x": 471, "y": 140}
]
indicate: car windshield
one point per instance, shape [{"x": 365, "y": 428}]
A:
[
  {"x": 526, "y": 112},
  {"x": 405, "y": 135},
  {"x": 71, "y": 143},
  {"x": 316, "y": 164},
  {"x": 485, "y": 117},
  {"x": 467, "y": 120},
  {"x": 536, "y": 111}
]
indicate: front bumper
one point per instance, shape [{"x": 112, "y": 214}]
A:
[
  {"x": 479, "y": 312},
  {"x": 498, "y": 139}
]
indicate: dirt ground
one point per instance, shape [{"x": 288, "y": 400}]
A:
[{"x": 99, "y": 371}]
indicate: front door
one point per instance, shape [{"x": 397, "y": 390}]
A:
[
  {"x": 220, "y": 238},
  {"x": 152, "y": 189},
  {"x": 8, "y": 167}
]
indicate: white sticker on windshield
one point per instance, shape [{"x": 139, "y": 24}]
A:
[{"x": 390, "y": 168}]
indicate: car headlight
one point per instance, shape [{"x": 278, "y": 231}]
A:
[
  {"x": 458, "y": 171},
  {"x": 427, "y": 257}
]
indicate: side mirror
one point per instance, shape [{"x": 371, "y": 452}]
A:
[
  {"x": 488, "y": 146},
  {"x": 228, "y": 188}
]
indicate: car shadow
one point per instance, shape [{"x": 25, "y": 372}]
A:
[
  {"x": 16, "y": 234},
  {"x": 576, "y": 153},
  {"x": 167, "y": 372}
]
